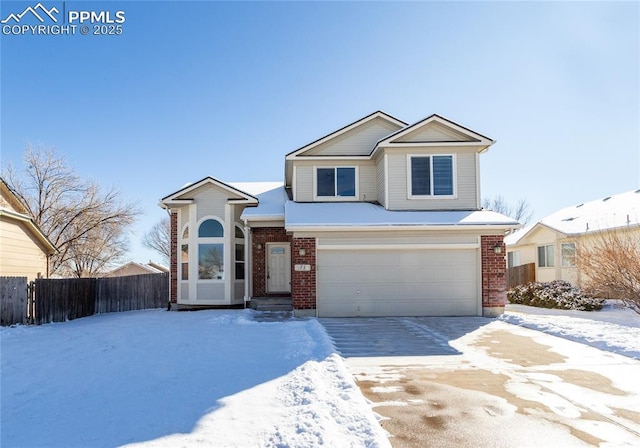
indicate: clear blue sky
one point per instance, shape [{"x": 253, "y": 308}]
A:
[{"x": 226, "y": 89}]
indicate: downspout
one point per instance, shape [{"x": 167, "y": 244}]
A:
[{"x": 247, "y": 253}]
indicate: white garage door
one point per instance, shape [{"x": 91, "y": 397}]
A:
[{"x": 397, "y": 282}]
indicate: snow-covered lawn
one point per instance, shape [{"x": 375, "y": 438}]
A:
[
  {"x": 213, "y": 378},
  {"x": 157, "y": 378},
  {"x": 614, "y": 328}
]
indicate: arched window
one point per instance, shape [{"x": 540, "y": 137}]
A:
[
  {"x": 210, "y": 250},
  {"x": 184, "y": 254},
  {"x": 210, "y": 229},
  {"x": 239, "y": 246}
]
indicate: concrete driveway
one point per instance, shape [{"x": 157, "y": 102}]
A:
[{"x": 476, "y": 382}]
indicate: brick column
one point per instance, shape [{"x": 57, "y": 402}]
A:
[
  {"x": 173, "y": 267},
  {"x": 303, "y": 283},
  {"x": 494, "y": 280}
]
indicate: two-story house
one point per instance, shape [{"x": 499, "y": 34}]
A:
[{"x": 379, "y": 218}]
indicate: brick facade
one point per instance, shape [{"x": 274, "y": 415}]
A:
[
  {"x": 494, "y": 279},
  {"x": 260, "y": 236},
  {"x": 303, "y": 283},
  {"x": 173, "y": 267}
]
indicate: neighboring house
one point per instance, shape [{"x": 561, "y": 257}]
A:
[
  {"x": 133, "y": 268},
  {"x": 24, "y": 249},
  {"x": 379, "y": 218},
  {"x": 553, "y": 243}
]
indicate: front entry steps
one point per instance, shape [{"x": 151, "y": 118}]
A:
[{"x": 271, "y": 303}]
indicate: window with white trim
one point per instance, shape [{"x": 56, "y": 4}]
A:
[
  {"x": 336, "y": 182},
  {"x": 513, "y": 259},
  {"x": 239, "y": 260},
  {"x": 211, "y": 250},
  {"x": 568, "y": 255},
  {"x": 431, "y": 175},
  {"x": 184, "y": 255},
  {"x": 546, "y": 256}
]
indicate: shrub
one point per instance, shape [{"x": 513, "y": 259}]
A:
[{"x": 556, "y": 294}]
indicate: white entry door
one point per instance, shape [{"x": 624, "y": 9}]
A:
[{"x": 278, "y": 267}]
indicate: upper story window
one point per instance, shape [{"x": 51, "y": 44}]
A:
[
  {"x": 431, "y": 176},
  {"x": 336, "y": 182}
]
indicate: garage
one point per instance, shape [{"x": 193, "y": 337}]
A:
[{"x": 398, "y": 281}]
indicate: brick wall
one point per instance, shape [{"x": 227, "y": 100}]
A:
[
  {"x": 494, "y": 279},
  {"x": 173, "y": 267},
  {"x": 262, "y": 236},
  {"x": 303, "y": 283}
]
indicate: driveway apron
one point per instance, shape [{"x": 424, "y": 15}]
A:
[{"x": 476, "y": 382}]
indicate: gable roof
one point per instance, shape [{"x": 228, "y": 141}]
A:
[
  {"x": 375, "y": 115},
  {"x": 465, "y": 136},
  {"x": 617, "y": 211},
  {"x": 18, "y": 213},
  {"x": 182, "y": 196}
]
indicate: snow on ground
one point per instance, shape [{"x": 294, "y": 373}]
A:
[
  {"x": 155, "y": 378},
  {"x": 614, "y": 328}
]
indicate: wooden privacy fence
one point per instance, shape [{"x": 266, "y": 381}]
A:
[
  {"x": 59, "y": 300},
  {"x": 13, "y": 301},
  {"x": 521, "y": 275}
]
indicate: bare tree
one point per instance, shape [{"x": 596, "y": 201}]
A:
[
  {"x": 159, "y": 238},
  {"x": 610, "y": 265},
  {"x": 86, "y": 223},
  {"x": 521, "y": 211}
]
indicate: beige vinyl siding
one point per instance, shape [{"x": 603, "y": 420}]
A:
[
  {"x": 465, "y": 181},
  {"x": 305, "y": 177},
  {"x": 304, "y": 181},
  {"x": 211, "y": 292},
  {"x": 434, "y": 132},
  {"x": 356, "y": 142},
  {"x": 380, "y": 186},
  {"x": 21, "y": 254},
  {"x": 210, "y": 202}
]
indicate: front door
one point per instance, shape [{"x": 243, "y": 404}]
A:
[{"x": 278, "y": 267}]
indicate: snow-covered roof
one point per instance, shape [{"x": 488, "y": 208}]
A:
[
  {"x": 271, "y": 200},
  {"x": 612, "y": 212},
  {"x": 255, "y": 188},
  {"x": 363, "y": 214}
]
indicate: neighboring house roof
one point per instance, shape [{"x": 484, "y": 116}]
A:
[
  {"x": 159, "y": 267},
  {"x": 48, "y": 246},
  {"x": 18, "y": 212},
  {"x": 363, "y": 214},
  {"x": 132, "y": 266},
  {"x": 617, "y": 211}
]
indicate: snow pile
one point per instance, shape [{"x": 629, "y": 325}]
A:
[
  {"x": 155, "y": 378},
  {"x": 614, "y": 329}
]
